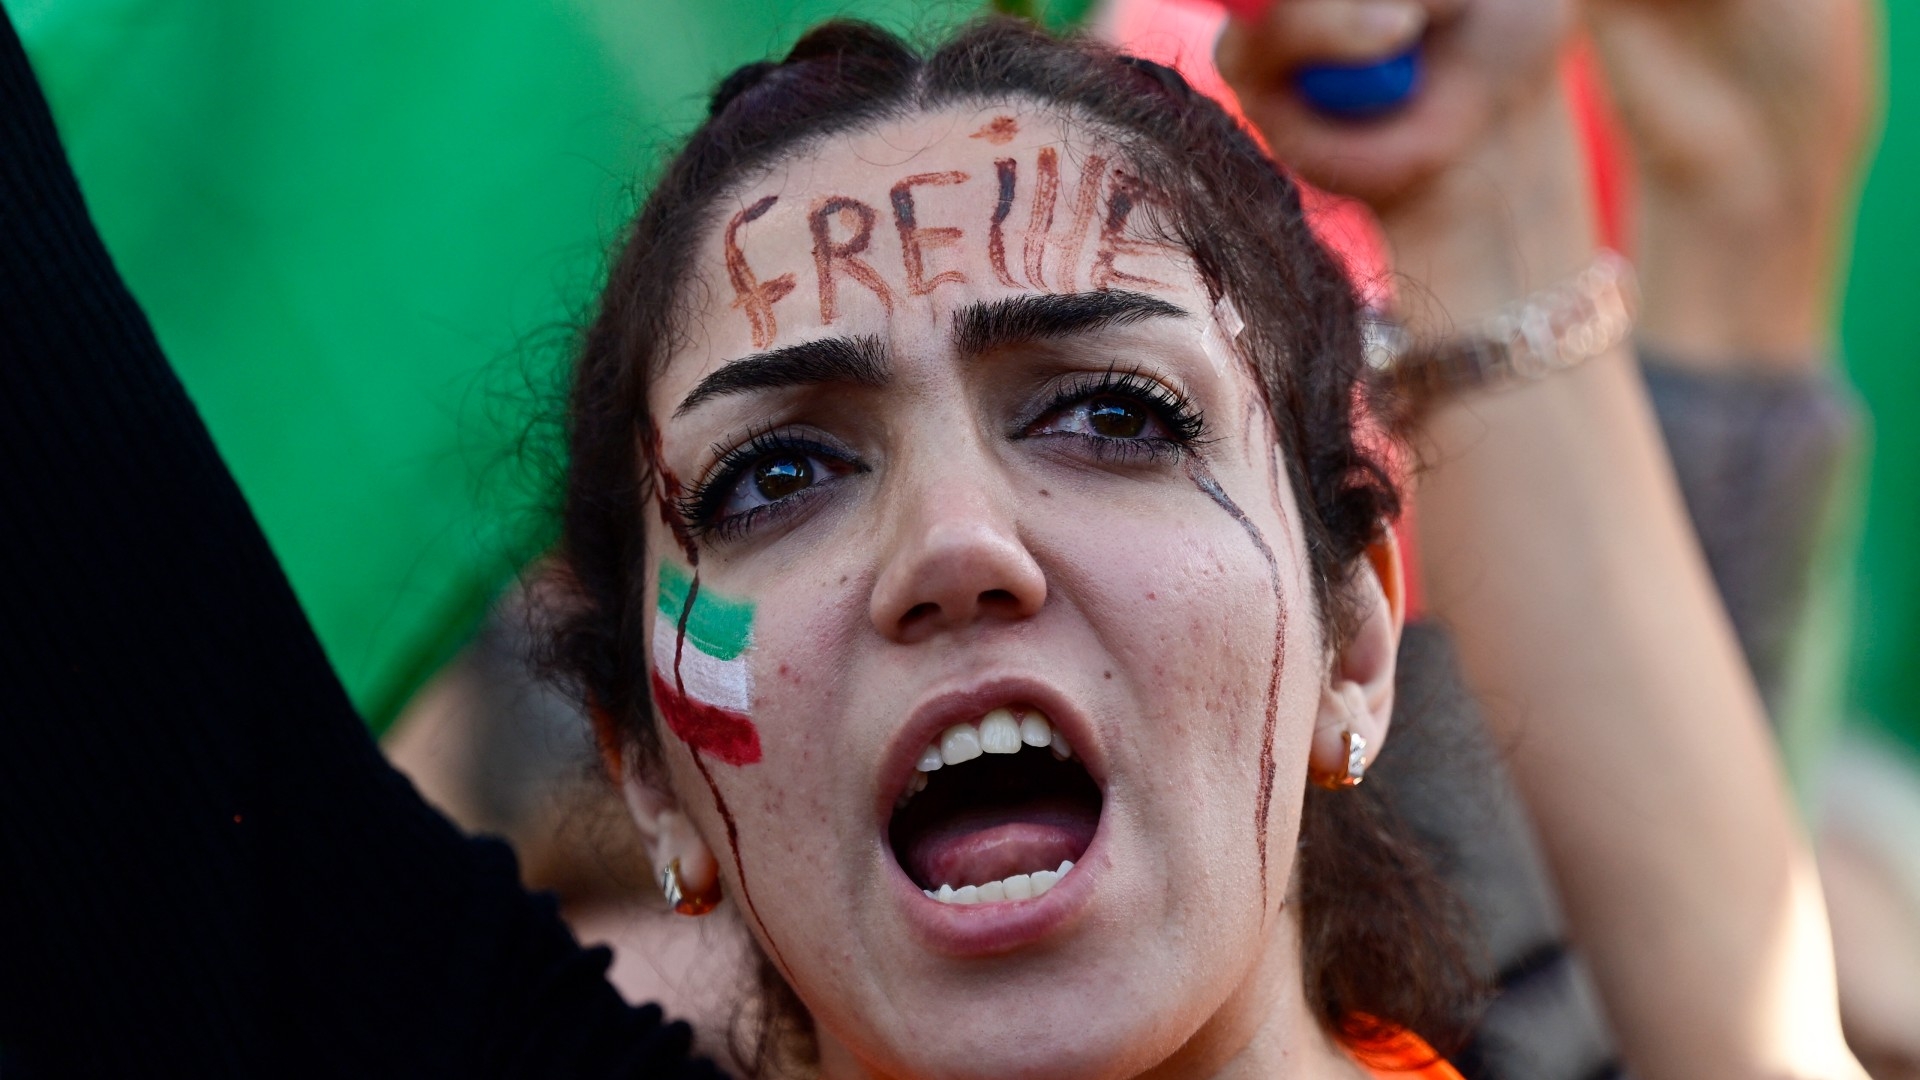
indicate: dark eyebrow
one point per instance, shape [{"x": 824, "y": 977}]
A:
[
  {"x": 861, "y": 360},
  {"x": 984, "y": 327}
]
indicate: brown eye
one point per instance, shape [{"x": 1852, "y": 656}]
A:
[
  {"x": 776, "y": 478},
  {"x": 1122, "y": 417},
  {"x": 1116, "y": 418},
  {"x": 777, "y": 472}
]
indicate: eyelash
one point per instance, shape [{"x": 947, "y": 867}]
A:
[
  {"x": 1181, "y": 416},
  {"x": 700, "y": 507}
]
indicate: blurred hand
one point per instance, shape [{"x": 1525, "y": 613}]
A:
[
  {"x": 1482, "y": 60},
  {"x": 1748, "y": 120}
]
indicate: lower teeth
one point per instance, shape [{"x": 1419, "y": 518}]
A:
[{"x": 1018, "y": 887}]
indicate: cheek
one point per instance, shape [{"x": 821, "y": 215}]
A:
[
  {"x": 805, "y": 637},
  {"x": 768, "y": 808},
  {"x": 1184, "y": 605}
]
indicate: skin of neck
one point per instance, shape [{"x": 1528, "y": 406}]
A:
[{"x": 1265, "y": 1030}]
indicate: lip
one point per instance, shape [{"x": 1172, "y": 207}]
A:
[{"x": 976, "y": 930}]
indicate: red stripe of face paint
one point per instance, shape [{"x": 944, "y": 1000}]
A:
[{"x": 707, "y": 729}]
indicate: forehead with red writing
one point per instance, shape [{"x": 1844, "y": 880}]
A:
[{"x": 888, "y": 232}]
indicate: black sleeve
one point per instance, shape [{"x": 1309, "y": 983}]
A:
[{"x": 206, "y": 867}]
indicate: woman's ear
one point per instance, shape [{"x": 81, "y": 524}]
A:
[
  {"x": 670, "y": 838},
  {"x": 1358, "y": 697}
]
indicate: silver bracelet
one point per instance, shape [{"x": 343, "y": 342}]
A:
[{"x": 1557, "y": 328}]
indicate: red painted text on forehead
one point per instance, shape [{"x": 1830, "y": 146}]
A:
[{"x": 1062, "y": 213}]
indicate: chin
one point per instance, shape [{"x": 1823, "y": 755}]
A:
[{"x": 1035, "y": 1033}]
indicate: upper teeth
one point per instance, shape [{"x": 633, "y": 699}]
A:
[{"x": 1001, "y": 731}]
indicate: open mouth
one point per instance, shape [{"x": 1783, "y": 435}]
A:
[{"x": 997, "y": 810}]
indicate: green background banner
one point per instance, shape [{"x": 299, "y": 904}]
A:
[
  {"x": 364, "y": 232},
  {"x": 1881, "y": 335}
]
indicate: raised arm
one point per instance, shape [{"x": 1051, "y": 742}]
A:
[
  {"x": 205, "y": 865},
  {"x": 1557, "y": 548}
]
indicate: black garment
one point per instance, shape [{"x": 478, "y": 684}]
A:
[{"x": 206, "y": 867}]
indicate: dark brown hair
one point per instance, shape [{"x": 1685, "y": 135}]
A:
[{"x": 1379, "y": 940}]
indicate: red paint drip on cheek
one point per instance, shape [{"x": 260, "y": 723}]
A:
[
  {"x": 739, "y": 869},
  {"x": 723, "y": 733},
  {"x": 1203, "y": 479},
  {"x": 727, "y": 735}
]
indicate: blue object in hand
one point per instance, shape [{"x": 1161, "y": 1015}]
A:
[{"x": 1360, "y": 91}]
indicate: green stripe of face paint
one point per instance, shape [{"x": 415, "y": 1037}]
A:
[{"x": 719, "y": 627}]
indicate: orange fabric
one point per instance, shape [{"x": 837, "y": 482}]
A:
[{"x": 1401, "y": 1055}]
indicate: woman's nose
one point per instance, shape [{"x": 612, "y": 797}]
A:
[{"x": 955, "y": 557}]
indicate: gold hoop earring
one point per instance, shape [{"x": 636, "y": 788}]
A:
[
  {"x": 1355, "y": 769},
  {"x": 681, "y": 901}
]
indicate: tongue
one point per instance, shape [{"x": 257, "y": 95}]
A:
[{"x": 976, "y": 846}]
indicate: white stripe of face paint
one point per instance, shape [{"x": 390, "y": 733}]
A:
[{"x": 727, "y": 684}]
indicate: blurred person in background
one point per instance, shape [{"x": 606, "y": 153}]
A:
[{"x": 1747, "y": 124}]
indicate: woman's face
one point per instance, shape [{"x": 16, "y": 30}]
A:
[{"x": 953, "y": 455}]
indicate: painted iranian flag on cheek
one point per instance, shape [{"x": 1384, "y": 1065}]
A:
[{"x": 702, "y": 683}]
